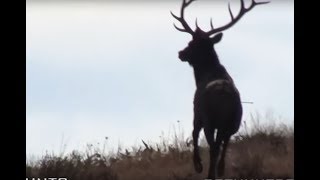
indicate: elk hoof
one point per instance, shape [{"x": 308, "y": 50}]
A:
[
  {"x": 198, "y": 167},
  {"x": 220, "y": 170}
]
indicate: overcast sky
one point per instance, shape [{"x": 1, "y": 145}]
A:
[{"x": 108, "y": 69}]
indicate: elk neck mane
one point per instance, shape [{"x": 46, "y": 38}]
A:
[{"x": 210, "y": 69}]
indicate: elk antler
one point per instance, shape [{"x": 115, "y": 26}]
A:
[
  {"x": 243, "y": 10},
  {"x": 181, "y": 18}
]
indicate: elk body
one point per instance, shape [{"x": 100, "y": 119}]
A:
[{"x": 217, "y": 103}]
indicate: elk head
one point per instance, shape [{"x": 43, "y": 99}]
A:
[{"x": 201, "y": 45}]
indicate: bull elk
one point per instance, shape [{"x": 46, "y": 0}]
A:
[{"x": 217, "y": 103}]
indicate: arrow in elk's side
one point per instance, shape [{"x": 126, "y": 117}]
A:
[{"x": 247, "y": 102}]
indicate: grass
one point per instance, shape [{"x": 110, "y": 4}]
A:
[{"x": 262, "y": 151}]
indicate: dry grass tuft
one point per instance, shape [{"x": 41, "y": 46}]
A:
[{"x": 263, "y": 152}]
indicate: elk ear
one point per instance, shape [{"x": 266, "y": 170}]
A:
[{"x": 217, "y": 38}]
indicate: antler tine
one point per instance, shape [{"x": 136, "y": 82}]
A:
[
  {"x": 254, "y": 3},
  {"x": 179, "y": 29},
  {"x": 242, "y": 5},
  {"x": 181, "y": 18},
  {"x": 176, "y": 17},
  {"x": 232, "y": 18},
  {"x": 197, "y": 23},
  {"x": 243, "y": 10},
  {"x": 259, "y": 3},
  {"x": 211, "y": 23}
]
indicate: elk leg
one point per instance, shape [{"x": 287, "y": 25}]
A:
[
  {"x": 196, "y": 157},
  {"x": 214, "y": 152},
  {"x": 221, "y": 165}
]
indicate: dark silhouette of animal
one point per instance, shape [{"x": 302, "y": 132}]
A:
[{"x": 217, "y": 104}]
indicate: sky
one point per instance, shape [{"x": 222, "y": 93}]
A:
[{"x": 97, "y": 70}]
